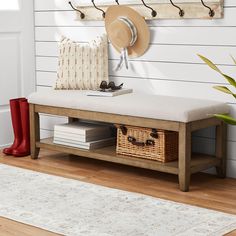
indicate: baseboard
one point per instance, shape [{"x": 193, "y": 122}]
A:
[{"x": 4, "y": 145}]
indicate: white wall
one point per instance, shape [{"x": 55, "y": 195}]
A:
[{"x": 169, "y": 67}]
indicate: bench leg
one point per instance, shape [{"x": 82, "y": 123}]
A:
[
  {"x": 221, "y": 142},
  {"x": 184, "y": 157},
  {"x": 34, "y": 132}
]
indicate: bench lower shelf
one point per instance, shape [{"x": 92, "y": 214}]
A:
[{"x": 198, "y": 161}]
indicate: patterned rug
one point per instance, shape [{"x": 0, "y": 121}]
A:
[{"x": 71, "y": 207}]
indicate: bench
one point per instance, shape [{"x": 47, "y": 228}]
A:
[{"x": 183, "y": 115}]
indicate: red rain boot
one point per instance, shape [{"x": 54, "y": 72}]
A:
[
  {"x": 16, "y": 124},
  {"x": 24, "y": 148}
]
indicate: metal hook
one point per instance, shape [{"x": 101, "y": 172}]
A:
[
  {"x": 211, "y": 12},
  {"x": 154, "y": 13},
  {"x": 181, "y": 11},
  {"x": 117, "y": 1},
  {"x": 103, "y": 12},
  {"x": 82, "y": 15}
]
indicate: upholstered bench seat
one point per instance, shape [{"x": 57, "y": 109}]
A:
[{"x": 135, "y": 104}]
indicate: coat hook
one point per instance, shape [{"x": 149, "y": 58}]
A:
[
  {"x": 154, "y": 13},
  {"x": 211, "y": 12},
  {"x": 181, "y": 11},
  {"x": 117, "y": 1},
  {"x": 103, "y": 12},
  {"x": 82, "y": 15}
]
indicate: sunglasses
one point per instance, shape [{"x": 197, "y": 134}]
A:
[{"x": 111, "y": 85}]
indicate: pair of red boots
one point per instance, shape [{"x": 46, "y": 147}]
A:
[{"x": 20, "y": 122}]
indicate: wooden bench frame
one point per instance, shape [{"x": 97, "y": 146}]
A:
[{"x": 187, "y": 164}]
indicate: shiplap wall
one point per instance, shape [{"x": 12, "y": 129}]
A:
[{"x": 169, "y": 67}]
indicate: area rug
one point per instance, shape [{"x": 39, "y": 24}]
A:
[{"x": 71, "y": 207}]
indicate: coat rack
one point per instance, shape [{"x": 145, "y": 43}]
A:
[{"x": 161, "y": 9}]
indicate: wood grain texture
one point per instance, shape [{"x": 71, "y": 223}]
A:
[
  {"x": 14, "y": 228},
  {"x": 108, "y": 117},
  {"x": 198, "y": 161},
  {"x": 221, "y": 149},
  {"x": 34, "y": 132},
  {"x": 184, "y": 167},
  {"x": 206, "y": 190},
  {"x": 165, "y": 11},
  {"x": 185, "y": 152}
]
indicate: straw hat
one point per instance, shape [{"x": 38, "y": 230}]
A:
[{"x": 127, "y": 29}]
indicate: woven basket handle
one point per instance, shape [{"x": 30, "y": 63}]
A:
[
  {"x": 123, "y": 129},
  {"x": 141, "y": 144},
  {"x": 153, "y": 134}
]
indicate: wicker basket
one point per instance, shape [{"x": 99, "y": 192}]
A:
[{"x": 159, "y": 145}]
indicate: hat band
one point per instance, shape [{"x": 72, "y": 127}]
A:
[
  {"x": 134, "y": 36},
  {"x": 132, "y": 28}
]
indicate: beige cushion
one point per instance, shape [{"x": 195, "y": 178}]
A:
[
  {"x": 134, "y": 104},
  {"x": 82, "y": 65}
]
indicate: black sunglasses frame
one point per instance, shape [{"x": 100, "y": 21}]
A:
[{"x": 111, "y": 85}]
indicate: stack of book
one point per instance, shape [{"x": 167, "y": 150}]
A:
[{"x": 84, "y": 135}]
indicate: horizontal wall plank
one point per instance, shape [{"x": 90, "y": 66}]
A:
[
  {"x": 163, "y": 53},
  {"x": 67, "y": 18},
  {"x": 203, "y": 145},
  {"x": 40, "y": 5},
  {"x": 62, "y": 18},
  {"x": 174, "y": 88},
  {"x": 47, "y": 122},
  {"x": 155, "y": 70},
  {"x": 210, "y": 132},
  {"x": 63, "y": 5},
  {"x": 46, "y": 78},
  {"x": 45, "y": 133},
  {"x": 75, "y": 33},
  {"x": 231, "y": 167},
  {"x": 207, "y": 133},
  {"x": 46, "y": 63},
  {"x": 207, "y": 146},
  {"x": 229, "y": 3},
  {"x": 159, "y": 35}
]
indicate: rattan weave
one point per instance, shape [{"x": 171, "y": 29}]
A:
[{"x": 165, "y": 147}]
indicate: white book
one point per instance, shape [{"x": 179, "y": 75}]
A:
[
  {"x": 108, "y": 93},
  {"x": 82, "y": 138},
  {"x": 82, "y": 128},
  {"x": 88, "y": 145}
]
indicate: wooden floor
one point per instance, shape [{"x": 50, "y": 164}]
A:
[{"x": 206, "y": 190}]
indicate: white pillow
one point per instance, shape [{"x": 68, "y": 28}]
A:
[{"x": 82, "y": 65}]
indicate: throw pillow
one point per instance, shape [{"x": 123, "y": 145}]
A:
[{"x": 82, "y": 65}]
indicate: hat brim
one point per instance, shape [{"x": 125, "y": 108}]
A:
[{"x": 142, "y": 43}]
